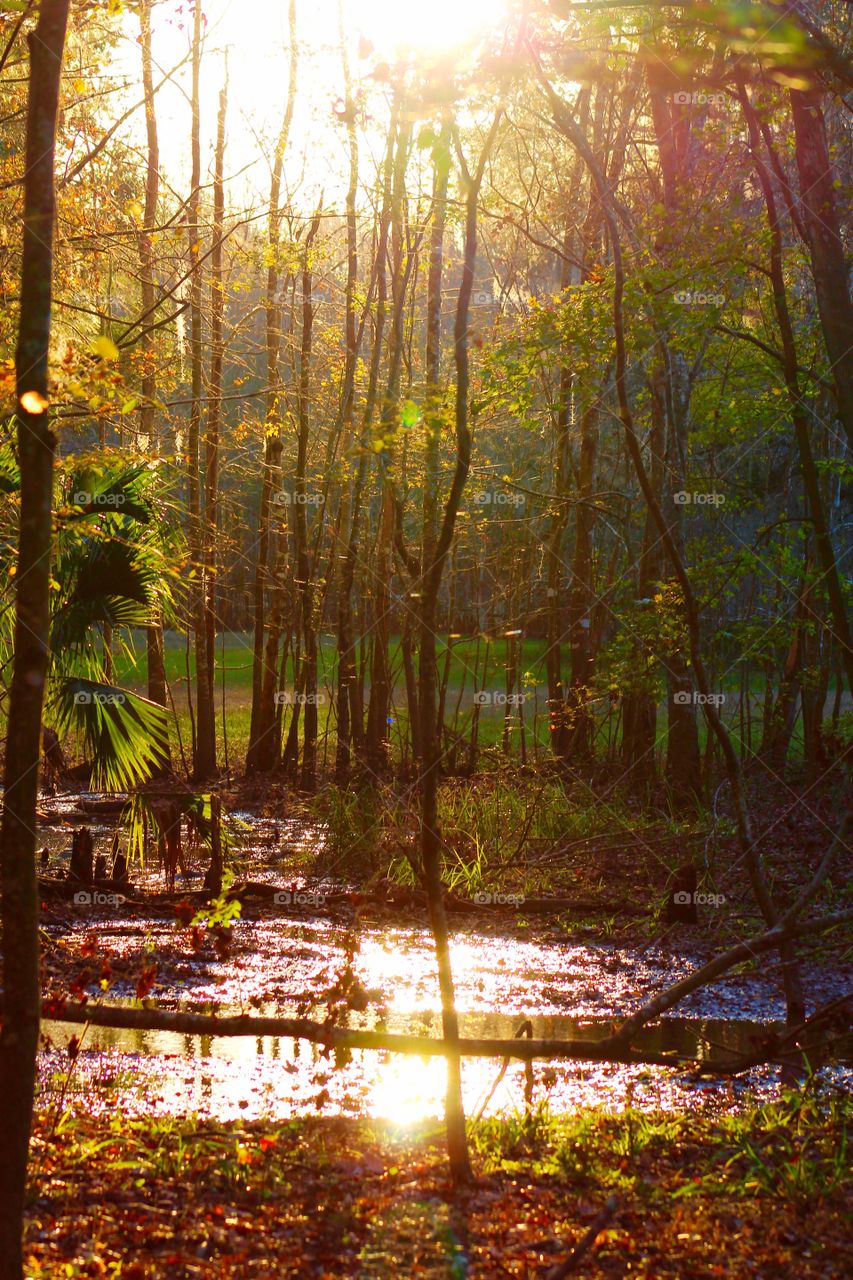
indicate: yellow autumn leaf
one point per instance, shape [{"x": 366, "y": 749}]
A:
[{"x": 104, "y": 348}]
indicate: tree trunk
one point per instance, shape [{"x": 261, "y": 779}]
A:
[
  {"x": 828, "y": 259},
  {"x": 639, "y": 703},
  {"x": 582, "y": 596},
  {"x": 214, "y": 401},
  {"x": 204, "y": 755},
  {"x": 433, "y": 568},
  {"x": 261, "y": 755},
  {"x": 304, "y": 562},
  {"x": 157, "y": 691},
  {"x": 36, "y": 446},
  {"x": 671, "y": 391},
  {"x": 346, "y": 652},
  {"x": 378, "y": 742},
  {"x": 558, "y": 711}
]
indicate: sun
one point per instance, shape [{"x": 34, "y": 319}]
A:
[{"x": 432, "y": 26}]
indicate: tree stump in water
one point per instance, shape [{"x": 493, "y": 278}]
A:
[
  {"x": 681, "y": 905},
  {"x": 118, "y": 870},
  {"x": 169, "y": 847},
  {"x": 213, "y": 876},
  {"x": 55, "y": 764},
  {"x": 82, "y": 850}
]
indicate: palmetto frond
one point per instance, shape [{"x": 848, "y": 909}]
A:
[
  {"x": 102, "y": 580},
  {"x": 10, "y": 471},
  {"x": 124, "y": 735},
  {"x": 103, "y": 491},
  {"x": 116, "y": 551},
  {"x": 143, "y": 815}
]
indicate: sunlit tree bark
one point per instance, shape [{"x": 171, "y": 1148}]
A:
[
  {"x": 157, "y": 691},
  {"x": 204, "y": 754},
  {"x": 262, "y": 751},
  {"x": 345, "y": 639},
  {"x": 434, "y": 563},
  {"x": 36, "y": 446},
  {"x": 210, "y": 549},
  {"x": 377, "y": 744},
  {"x": 819, "y": 214}
]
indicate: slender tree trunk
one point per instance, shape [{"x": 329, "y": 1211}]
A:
[
  {"x": 157, "y": 691},
  {"x": 559, "y": 716},
  {"x": 262, "y": 752},
  {"x": 36, "y": 445},
  {"x": 581, "y": 594},
  {"x": 378, "y": 743},
  {"x": 304, "y": 565},
  {"x": 670, "y": 392},
  {"x": 830, "y": 272},
  {"x": 204, "y": 757},
  {"x": 434, "y": 411},
  {"x": 407, "y": 653},
  {"x": 433, "y": 569},
  {"x": 346, "y": 651},
  {"x": 355, "y": 676},
  {"x": 558, "y": 711},
  {"x": 779, "y": 725},
  {"x": 639, "y": 704},
  {"x": 683, "y": 760},
  {"x": 214, "y": 401}
]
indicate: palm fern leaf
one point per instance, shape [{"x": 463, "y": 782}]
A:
[{"x": 124, "y": 735}]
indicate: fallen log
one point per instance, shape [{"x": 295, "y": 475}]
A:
[
  {"x": 746, "y": 950},
  {"x": 209, "y": 1024},
  {"x": 107, "y": 806},
  {"x": 615, "y": 1047}
]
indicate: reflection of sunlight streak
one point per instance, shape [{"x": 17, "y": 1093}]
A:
[
  {"x": 407, "y": 1090},
  {"x": 566, "y": 989},
  {"x": 506, "y": 979},
  {"x": 245, "y": 1080}
]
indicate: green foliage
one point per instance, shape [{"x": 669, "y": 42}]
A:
[
  {"x": 113, "y": 544},
  {"x": 354, "y": 819},
  {"x": 795, "y": 1148},
  {"x": 123, "y": 734}
]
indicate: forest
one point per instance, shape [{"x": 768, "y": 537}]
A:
[{"x": 426, "y": 673}]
